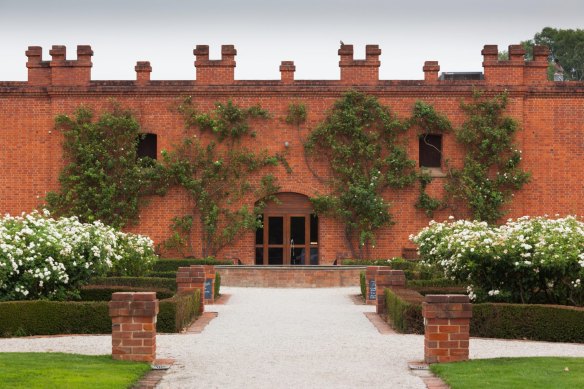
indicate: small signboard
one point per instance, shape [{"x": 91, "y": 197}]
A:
[
  {"x": 372, "y": 290},
  {"x": 208, "y": 289}
]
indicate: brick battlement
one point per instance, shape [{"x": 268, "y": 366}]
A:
[{"x": 355, "y": 72}]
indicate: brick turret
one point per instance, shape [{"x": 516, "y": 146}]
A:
[
  {"x": 215, "y": 72},
  {"x": 359, "y": 71}
]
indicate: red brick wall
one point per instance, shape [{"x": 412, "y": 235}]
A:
[{"x": 551, "y": 115}]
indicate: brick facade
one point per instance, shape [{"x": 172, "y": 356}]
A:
[{"x": 550, "y": 114}]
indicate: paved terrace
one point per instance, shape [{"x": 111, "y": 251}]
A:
[{"x": 282, "y": 338}]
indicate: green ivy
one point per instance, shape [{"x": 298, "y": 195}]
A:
[
  {"x": 359, "y": 142},
  {"x": 104, "y": 179},
  {"x": 491, "y": 171},
  {"x": 227, "y": 121},
  {"x": 217, "y": 178}
]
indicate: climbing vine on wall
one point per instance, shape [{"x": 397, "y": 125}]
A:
[
  {"x": 359, "y": 141},
  {"x": 491, "y": 171},
  {"x": 218, "y": 174},
  {"x": 426, "y": 120},
  {"x": 103, "y": 179}
]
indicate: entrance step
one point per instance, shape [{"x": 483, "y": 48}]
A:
[{"x": 290, "y": 276}]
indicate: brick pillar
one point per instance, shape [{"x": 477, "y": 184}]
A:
[
  {"x": 287, "y": 70},
  {"x": 134, "y": 326},
  {"x": 379, "y": 278},
  {"x": 431, "y": 69},
  {"x": 446, "y": 322},
  {"x": 143, "y": 70},
  {"x": 190, "y": 278},
  {"x": 209, "y": 291}
]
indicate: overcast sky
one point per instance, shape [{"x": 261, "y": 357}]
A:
[{"x": 266, "y": 32}]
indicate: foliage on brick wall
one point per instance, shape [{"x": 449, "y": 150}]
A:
[
  {"x": 174, "y": 264},
  {"x": 217, "y": 178},
  {"x": 104, "y": 178},
  {"x": 359, "y": 141},
  {"x": 491, "y": 171}
]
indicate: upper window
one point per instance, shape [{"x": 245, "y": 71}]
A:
[
  {"x": 147, "y": 146},
  {"x": 431, "y": 150}
]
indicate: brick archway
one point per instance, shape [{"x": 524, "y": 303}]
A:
[{"x": 290, "y": 232}]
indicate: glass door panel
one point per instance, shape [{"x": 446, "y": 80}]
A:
[
  {"x": 275, "y": 230},
  {"x": 275, "y": 256}
]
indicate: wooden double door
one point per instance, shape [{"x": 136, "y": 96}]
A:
[{"x": 290, "y": 233}]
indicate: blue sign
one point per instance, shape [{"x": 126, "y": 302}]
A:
[
  {"x": 372, "y": 290},
  {"x": 208, "y": 289}
]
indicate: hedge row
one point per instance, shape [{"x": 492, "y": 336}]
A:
[
  {"x": 217, "y": 285},
  {"x": 104, "y": 293},
  {"x": 552, "y": 323},
  {"x": 41, "y": 317},
  {"x": 413, "y": 270},
  {"x": 363, "y": 283},
  {"x": 404, "y": 310},
  {"x": 138, "y": 282},
  {"x": 167, "y": 265},
  {"x": 178, "y": 312}
]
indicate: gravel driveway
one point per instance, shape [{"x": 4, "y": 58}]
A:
[{"x": 291, "y": 338}]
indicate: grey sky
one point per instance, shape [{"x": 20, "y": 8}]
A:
[{"x": 266, "y": 32}]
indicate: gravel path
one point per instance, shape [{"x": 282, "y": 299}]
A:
[{"x": 280, "y": 338}]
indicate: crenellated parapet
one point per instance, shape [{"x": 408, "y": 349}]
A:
[
  {"x": 359, "y": 71},
  {"x": 218, "y": 71},
  {"x": 59, "y": 71},
  {"x": 515, "y": 70}
]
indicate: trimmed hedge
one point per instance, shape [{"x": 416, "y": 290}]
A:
[
  {"x": 104, "y": 293},
  {"x": 217, "y": 285},
  {"x": 404, "y": 310},
  {"x": 166, "y": 265},
  {"x": 412, "y": 269},
  {"x": 162, "y": 274},
  {"x": 138, "y": 282},
  {"x": 363, "y": 283},
  {"x": 434, "y": 283},
  {"x": 178, "y": 312},
  {"x": 41, "y": 317},
  {"x": 552, "y": 323}
]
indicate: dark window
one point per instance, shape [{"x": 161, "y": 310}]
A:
[
  {"x": 147, "y": 146},
  {"x": 430, "y": 150}
]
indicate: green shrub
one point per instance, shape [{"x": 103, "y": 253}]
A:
[
  {"x": 23, "y": 318},
  {"x": 404, "y": 310},
  {"x": 217, "y": 291},
  {"x": 412, "y": 269},
  {"x": 167, "y": 265},
  {"x": 363, "y": 283},
  {"x": 162, "y": 274},
  {"x": 104, "y": 293},
  {"x": 46, "y": 258},
  {"x": 527, "y": 260},
  {"x": 139, "y": 282},
  {"x": 178, "y": 312},
  {"x": 550, "y": 323},
  {"x": 41, "y": 317},
  {"x": 433, "y": 283}
]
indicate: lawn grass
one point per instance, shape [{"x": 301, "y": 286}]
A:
[
  {"x": 58, "y": 370},
  {"x": 507, "y": 373}
]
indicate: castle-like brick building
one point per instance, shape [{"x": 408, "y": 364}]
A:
[{"x": 551, "y": 115}]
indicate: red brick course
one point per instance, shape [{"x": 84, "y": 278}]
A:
[
  {"x": 549, "y": 113},
  {"x": 289, "y": 277}
]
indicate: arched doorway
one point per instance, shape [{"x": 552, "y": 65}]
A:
[{"x": 290, "y": 232}]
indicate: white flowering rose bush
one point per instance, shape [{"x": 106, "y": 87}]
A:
[
  {"x": 42, "y": 257},
  {"x": 525, "y": 260}
]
